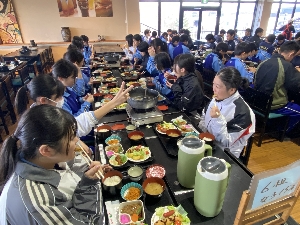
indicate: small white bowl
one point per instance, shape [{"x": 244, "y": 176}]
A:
[{"x": 135, "y": 173}]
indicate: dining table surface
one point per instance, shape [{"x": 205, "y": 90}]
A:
[
  {"x": 175, "y": 194},
  {"x": 27, "y": 56}
]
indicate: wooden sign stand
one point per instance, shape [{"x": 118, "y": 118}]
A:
[{"x": 284, "y": 206}]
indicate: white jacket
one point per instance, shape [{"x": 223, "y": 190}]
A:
[{"x": 233, "y": 127}]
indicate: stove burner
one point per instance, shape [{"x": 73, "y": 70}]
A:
[{"x": 144, "y": 110}]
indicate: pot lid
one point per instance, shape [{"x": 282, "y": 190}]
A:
[
  {"x": 212, "y": 165},
  {"x": 192, "y": 142}
]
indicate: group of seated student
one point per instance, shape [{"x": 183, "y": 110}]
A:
[
  {"x": 211, "y": 42},
  {"x": 128, "y": 47},
  {"x": 215, "y": 60},
  {"x": 220, "y": 37},
  {"x": 266, "y": 48}
]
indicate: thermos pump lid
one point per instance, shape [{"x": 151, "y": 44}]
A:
[
  {"x": 192, "y": 142},
  {"x": 212, "y": 165}
]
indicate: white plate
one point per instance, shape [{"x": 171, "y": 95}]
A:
[
  {"x": 111, "y": 158},
  {"x": 155, "y": 218},
  {"x": 142, "y": 160},
  {"x": 173, "y": 127}
]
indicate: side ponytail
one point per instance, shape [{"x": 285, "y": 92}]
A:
[
  {"x": 8, "y": 159},
  {"x": 21, "y": 100}
]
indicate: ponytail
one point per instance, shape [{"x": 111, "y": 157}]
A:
[
  {"x": 8, "y": 159},
  {"x": 21, "y": 100}
]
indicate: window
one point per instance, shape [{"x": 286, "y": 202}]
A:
[
  {"x": 285, "y": 15},
  {"x": 272, "y": 19},
  {"x": 297, "y": 18},
  {"x": 209, "y": 4},
  {"x": 245, "y": 16},
  {"x": 148, "y": 15},
  {"x": 228, "y": 15},
  {"x": 169, "y": 16}
]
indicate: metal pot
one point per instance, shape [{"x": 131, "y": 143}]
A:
[{"x": 138, "y": 100}]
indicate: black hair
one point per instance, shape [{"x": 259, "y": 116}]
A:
[
  {"x": 162, "y": 61},
  {"x": 289, "y": 46},
  {"x": 78, "y": 42},
  {"x": 174, "y": 32},
  {"x": 248, "y": 30},
  {"x": 297, "y": 35},
  {"x": 164, "y": 34},
  {"x": 73, "y": 56},
  {"x": 235, "y": 30},
  {"x": 72, "y": 47},
  {"x": 154, "y": 34},
  {"x": 232, "y": 78},
  {"x": 147, "y": 31},
  {"x": 221, "y": 47},
  {"x": 85, "y": 38},
  {"x": 252, "y": 46},
  {"x": 143, "y": 47},
  {"x": 240, "y": 48},
  {"x": 186, "y": 31},
  {"x": 43, "y": 85},
  {"x": 209, "y": 37},
  {"x": 259, "y": 30},
  {"x": 137, "y": 37},
  {"x": 184, "y": 38},
  {"x": 40, "y": 125},
  {"x": 64, "y": 69},
  {"x": 281, "y": 37},
  {"x": 186, "y": 61},
  {"x": 175, "y": 38},
  {"x": 129, "y": 39},
  {"x": 169, "y": 30},
  {"x": 157, "y": 42},
  {"x": 222, "y": 31},
  {"x": 271, "y": 38},
  {"x": 231, "y": 32}
]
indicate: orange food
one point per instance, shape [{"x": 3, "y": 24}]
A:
[
  {"x": 133, "y": 193},
  {"x": 134, "y": 217},
  {"x": 113, "y": 142}
]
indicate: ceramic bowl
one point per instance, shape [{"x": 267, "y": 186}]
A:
[
  {"x": 113, "y": 137},
  {"x": 135, "y": 173},
  {"x": 103, "y": 132},
  {"x": 114, "y": 189},
  {"x": 154, "y": 180},
  {"x": 155, "y": 170},
  {"x": 125, "y": 188}
]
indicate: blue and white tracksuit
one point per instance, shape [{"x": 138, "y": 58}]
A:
[
  {"x": 265, "y": 51},
  {"x": 180, "y": 49},
  {"x": 213, "y": 62},
  {"x": 241, "y": 67}
]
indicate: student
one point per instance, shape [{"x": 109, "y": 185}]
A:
[
  {"x": 253, "y": 53},
  {"x": 181, "y": 48},
  {"x": 214, "y": 60},
  {"x": 153, "y": 36},
  {"x": 66, "y": 72},
  {"x": 220, "y": 38},
  {"x": 77, "y": 58},
  {"x": 37, "y": 184},
  {"x": 174, "y": 33},
  {"x": 137, "y": 39},
  {"x": 78, "y": 42},
  {"x": 87, "y": 50},
  {"x": 44, "y": 89},
  {"x": 266, "y": 48},
  {"x": 156, "y": 46},
  {"x": 247, "y": 36},
  {"x": 257, "y": 36},
  {"x": 288, "y": 30},
  {"x": 236, "y": 37},
  {"x": 296, "y": 60},
  {"x": 164, "y": 37},
  {"x": 276, "y": 76},
  {"x": 143, "y": 49},
  {"x": 188, "y": 95},
  {"x": 147, "y": 34},
  {"x": 190, "y": 43},
  {"x": 230, "y": 42},
  {"x": 170, "y": 35},
  {"x": 128, "y": 47},
  {"x": 163, "y": 65},
  {"x": 172, "y": 45},
  {"x": 210, "y": 44},
  {"x": 227, "y": 116},
  {"x": 241, "y": 52},
  {"x": 279, "y": 41}
]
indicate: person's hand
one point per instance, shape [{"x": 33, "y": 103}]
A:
[
  {"x": 215, "y": 112},
  {"x": 91, "y": 80},
  {"x": 151, "y": 51},
  {"x": 167, "y": 74},
  {"x": 93, "y": 169},
  {"x": 297, "y": 68},
  {"x": 252, "y": 69},
  {"x": 122, "y": 95},
  {"x": 169, "y": 85},
  {"x": 88, "y": 98}
]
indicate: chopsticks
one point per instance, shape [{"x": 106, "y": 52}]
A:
[
  {"x": 215, "y": 104},
  {"x": 88, "y": 160}
]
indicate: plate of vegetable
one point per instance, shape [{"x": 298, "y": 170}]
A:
[
  {"x": 118, "y": 160},
  {"x": 179, "y": 121},
  {"x": 170, "y": 215},
  {"x": 138, "y": 153},
  {"x": 164, "y": 126}
]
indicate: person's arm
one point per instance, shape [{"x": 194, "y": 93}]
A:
[
  {"x": 216, "y": 64},
  {"x": 151, "y": 68},
  {"x": 244, "y": 73},
  {"x": 79, "y": 87},
  {"x": 185, "y": 50},
  {"x": 292, "y": 79}
]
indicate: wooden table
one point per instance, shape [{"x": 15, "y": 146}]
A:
[{"x": 24, "y": 57}]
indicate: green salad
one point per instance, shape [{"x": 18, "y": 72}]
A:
[{"x": 170, "y": 214}]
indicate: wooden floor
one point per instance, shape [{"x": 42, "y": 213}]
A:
[{"x": 269, "y": 156}]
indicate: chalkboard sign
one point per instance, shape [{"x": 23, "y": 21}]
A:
[{"x": 274, "y": 185}]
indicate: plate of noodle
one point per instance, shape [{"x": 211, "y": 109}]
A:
[{"x": 131, "y": 191}]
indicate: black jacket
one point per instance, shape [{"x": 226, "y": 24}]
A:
[
  {"x": 276, "y": 76},
  {"x": 188, "y": 95},
  {"x": 256, "y": 39}
]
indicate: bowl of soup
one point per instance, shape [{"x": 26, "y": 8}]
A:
[
  {"x": 207, "y": 137},
  {"x": 135, "y": 173},
  {"x": 136, "y": 136},
  {"x": 173, "y": 133},
  {"x": 154, "y": 187}
]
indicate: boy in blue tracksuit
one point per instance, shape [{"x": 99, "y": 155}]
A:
[
  {"x": 241, "y": 52},
  {"x": 253, "y": 53},
  {"x": 181, "y": 47},
  {"x": 220, "y": 38},
  {"x": 266, "y": 48},
  {"x": 210, "y": 44},
  {"x": 87, "y": 50},
  {"x": 231, "y": 43},
  {"x": 213, "y": 60},
  {"x": 164, "y": 37},
  {"x": 247, "y": 35},
  {"x": 172, "y": 45},
  {"x": 279, "y": 41}
]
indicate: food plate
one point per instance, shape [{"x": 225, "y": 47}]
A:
[
  {"x": 113, "y": 140},
  {"x": 179, "y": 212},
  {"x": 138, "y": 153},
  {"x": 114, "y": 90},
  {"x": 118, "y": 160},
  {"x": 179, "y": 121},
  {"x": 115, "y": 148},
  {"x": 164, "y": 126},
  {"x": 155, "y": 171},
  {"x": 121, "y": 107},
  {"x": 110, "y": 79}
]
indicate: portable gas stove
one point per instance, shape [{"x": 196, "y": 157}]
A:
[{"x": 144, "y": 116}]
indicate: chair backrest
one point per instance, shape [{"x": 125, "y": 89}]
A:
[
  {"x": 3, "y": 101},
  {"x": 8, "y": 89},
  {"x": 247, "y": 151},
  {"x": 258, "y": 101},
  {"x": 24, "y": 74},
  {"x": 208, "y": 76}
]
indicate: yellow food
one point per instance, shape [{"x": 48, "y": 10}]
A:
[
  {"x": 136, "y": 137},
  {"x": 133, "y": 193},
  {"x": 113, "y": 142},
  {"x": 174, "y": 135},
  {"x": 153, "y": 189}
]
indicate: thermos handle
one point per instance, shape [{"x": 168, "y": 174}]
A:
[
  {"x": 208, "y": 148},
  {"x": 228, "y": 165}
]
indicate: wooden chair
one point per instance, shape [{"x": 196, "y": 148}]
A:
[
  {"x": 245, "y": 155},
  {"x": 3, "y": 110},
  {"x": 10, "y": 97},
  {"x": 208, "y": 77},
  {"x": 33, "y": 70},
  {"x": 261, "y": 105},
  {"x": 20, "y": 77},
  {"x": 51, "y": 58}
]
